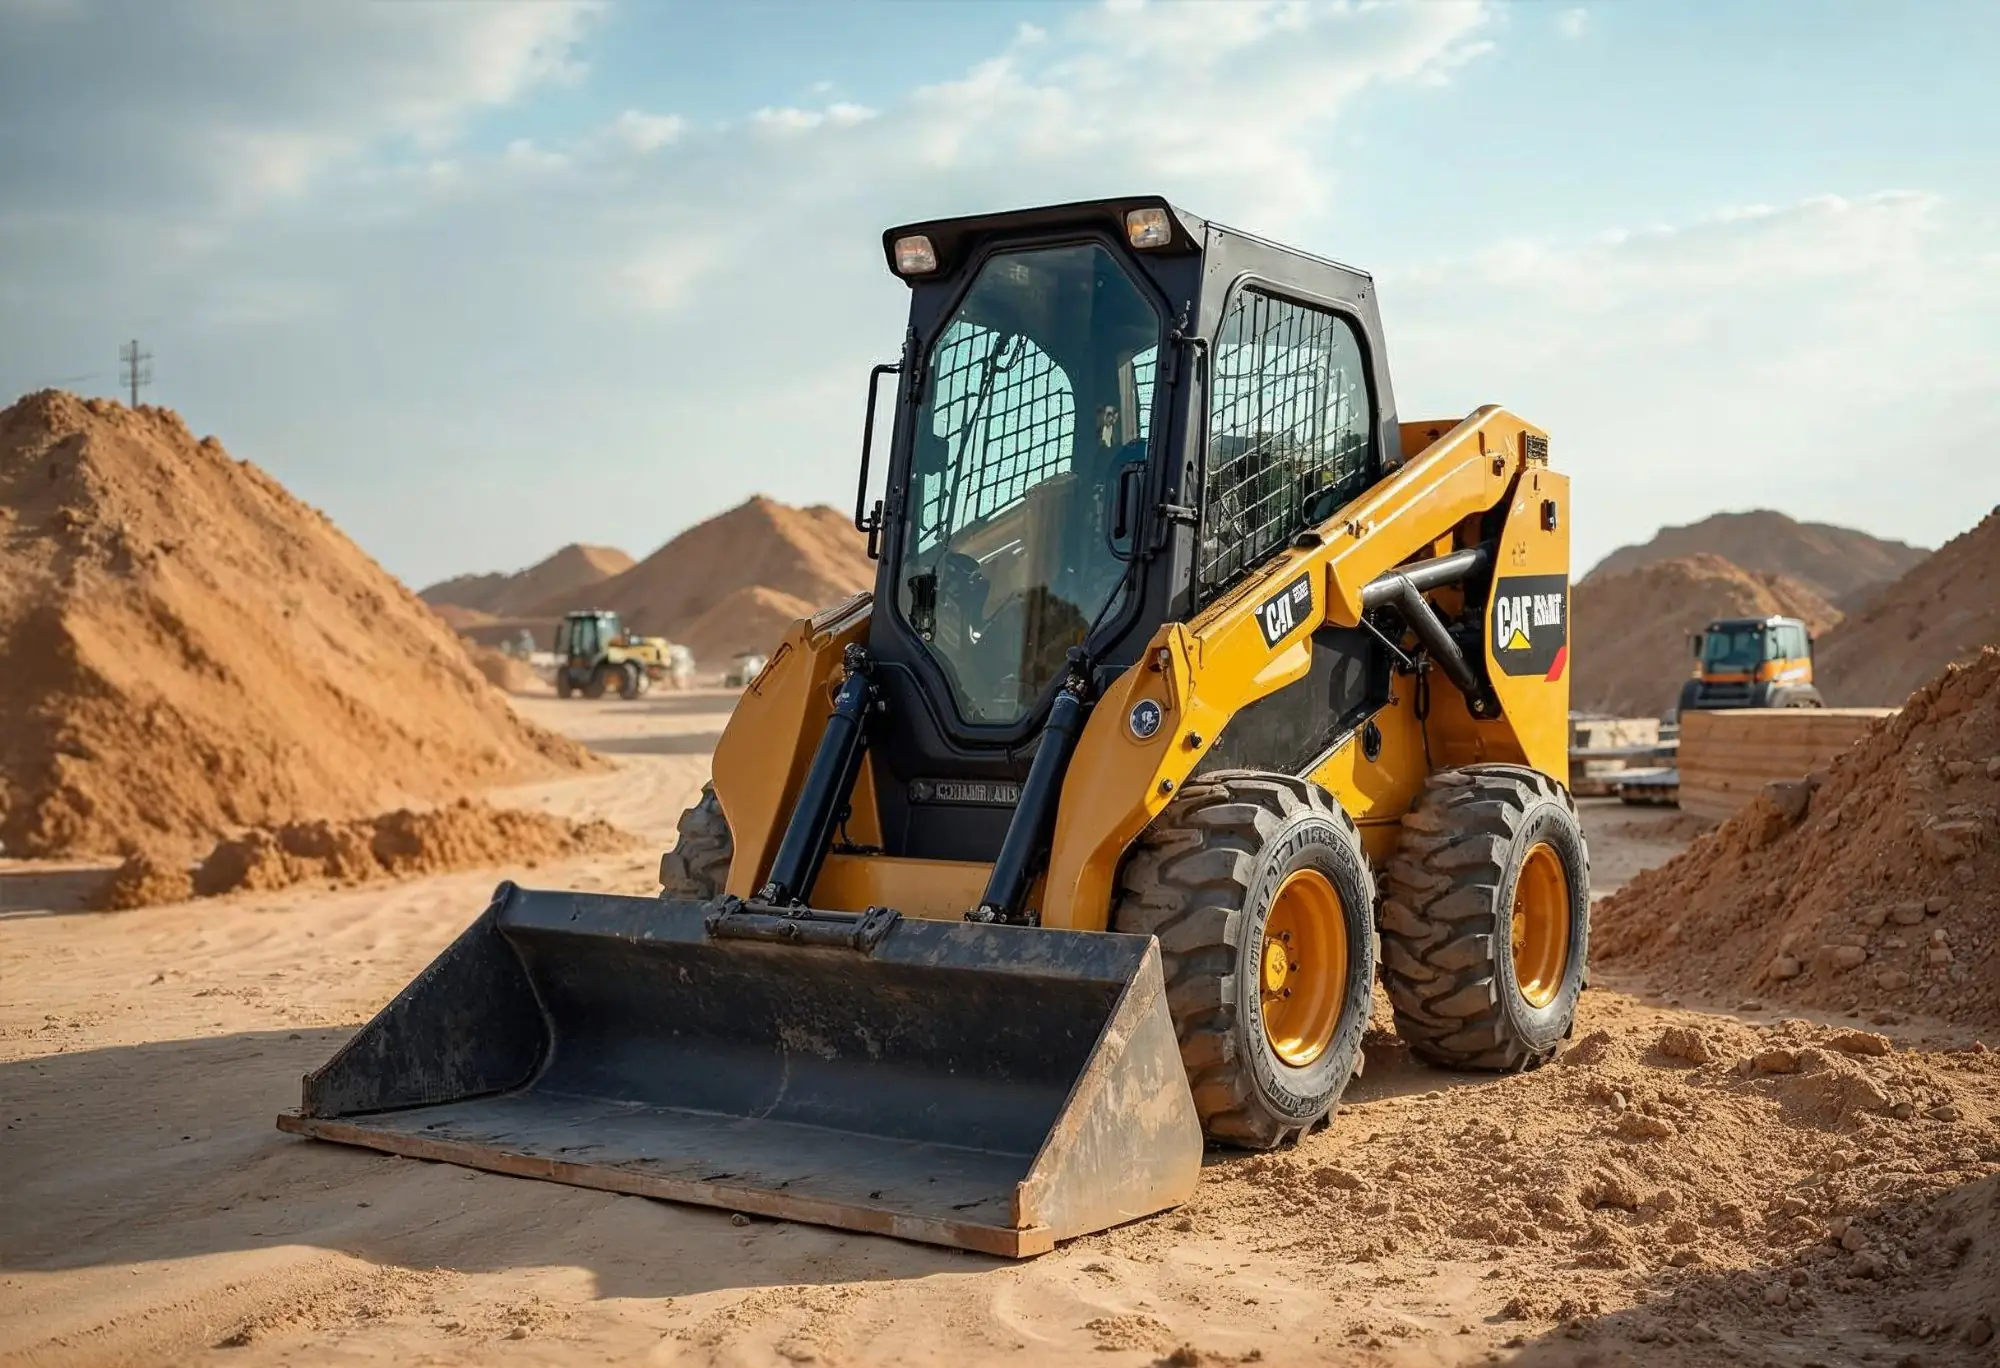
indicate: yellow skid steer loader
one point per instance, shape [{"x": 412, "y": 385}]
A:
[{"x": 1194, "y": 687}]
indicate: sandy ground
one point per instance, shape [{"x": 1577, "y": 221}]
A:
[{"x": 150, "y": 1212}]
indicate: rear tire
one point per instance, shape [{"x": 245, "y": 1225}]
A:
[
  {"x": 698, "y": 865},
  {"x": 1486, "y": 919},
  {"x": 1240, "y": 854},
  {"x": 630, "y": 680}
]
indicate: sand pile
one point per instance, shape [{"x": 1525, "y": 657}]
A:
[
  {"x": 1839, "y": 564},
  {"x": 808, "y": 555},
  {"x": 505, "y": 672},
  {"x": 1874, "y": 885},
  {"x": 190, "y": 650},
  {"x": 749, "y": 619},
  {"x": 561, "y": 582},
  {"x": 1943, "y": 610},
  {"x": 1787, "y": 1168},
  {"x": 1630, "y": 630},
  {"x": 396, "y": 845}
]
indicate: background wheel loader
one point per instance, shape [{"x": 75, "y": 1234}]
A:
[
  {"x": 1751, "y": 663},
  {"x": 1194, "y": 685},
  {"x": 599, "y": 656}
]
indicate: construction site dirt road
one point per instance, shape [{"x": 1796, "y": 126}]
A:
[{"x": 1688, "y": 1182}]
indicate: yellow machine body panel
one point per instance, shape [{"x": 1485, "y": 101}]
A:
[
  {"x": 769, "y": 742},
  {"x": 1200, "y": 673},
  {"x": 1791, "y": 670}
]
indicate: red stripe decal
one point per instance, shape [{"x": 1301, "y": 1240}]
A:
[{"x": 1556, "y": 670}]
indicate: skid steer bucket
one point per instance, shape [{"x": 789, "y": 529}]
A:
[{"x": 994, "y": 1088}]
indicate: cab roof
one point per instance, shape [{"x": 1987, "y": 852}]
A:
[
  {"x": 1719, "y": 624},
  {"x": 954, "y": 238}
]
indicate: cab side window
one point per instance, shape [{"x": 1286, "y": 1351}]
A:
[{"x": 1290, "y": 423}]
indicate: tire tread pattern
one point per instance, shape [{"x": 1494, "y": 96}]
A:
[
  {"x": 698, "y": 864},
  {"x": 1185, "y": 881},
  {"x": 1438, "y": 916}
]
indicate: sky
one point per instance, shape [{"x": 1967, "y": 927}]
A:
[{"x": 479, "y": 279}]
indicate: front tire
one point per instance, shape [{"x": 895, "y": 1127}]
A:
[
  {"x": 698, "y": 865},
  {"x": 1259, "y": 891},
  {"x": 599, "y": 682},
  {"x": 1486, "y": 919}
]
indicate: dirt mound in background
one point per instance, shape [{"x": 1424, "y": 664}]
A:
[
  {"x": 459, "y": 619},
  {"x": 1629, "y": 632},
  {"x": 560, "y": 579},
  {"x": 1943, "y": 610},
  {"x": 1839, "y": 564},
  {"x": 396, "y": 845},
  {"x": 812, "y": 555},
  {"x": 505, "y": 672},
  {"x": 191, "y": 650},
  {"x": 749, "y": 619},
  {"x": 1874, "y": 885}
]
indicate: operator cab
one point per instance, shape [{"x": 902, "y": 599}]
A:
[
  {"x": 1742, "y": 646},
  {"x": 1106, "y": 415},
  {"x": 584, "y": 636}
]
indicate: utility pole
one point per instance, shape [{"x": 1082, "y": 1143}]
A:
[{"x": 136, "y": 368}]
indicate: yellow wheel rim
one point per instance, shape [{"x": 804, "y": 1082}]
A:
[
  {"x": 1302, "y": 967},
  {"x": 1541, "y": 925}
]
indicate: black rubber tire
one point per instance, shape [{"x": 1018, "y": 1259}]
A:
[
  {"x": 698, "y": 865},
  {"x": 1447, "y": 919},
  {"x": 564, "y": 685},
  {"x": 599, "y": 682},
  {"x": 631, "y": 680},
  {"x": 1201, "y": 878},
  {"x": 1690, "y": 699}
]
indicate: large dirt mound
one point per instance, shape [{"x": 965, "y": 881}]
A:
[
  {"x": 1874, "y": 885},
  {"x": 396, "y": 845},
  {"x": 1839, "y": 564},
  {"x": 1629, "y": 632},
  {"x": 812, "y": 555},
  {"x": 748, "y": 619},
  {"x": 562, "y": 579},
  {"x": 1943, "y": 610},
  {"x": 191, "y": 650}
]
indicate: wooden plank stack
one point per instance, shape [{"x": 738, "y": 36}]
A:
[{"x": 1727, "y": 756}]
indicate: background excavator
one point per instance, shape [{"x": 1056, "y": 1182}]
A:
[{"x": 1195, "y": 685}]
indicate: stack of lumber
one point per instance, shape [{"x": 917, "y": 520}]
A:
[{"x": 1726, "y": 757}]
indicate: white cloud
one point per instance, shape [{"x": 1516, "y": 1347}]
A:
[
  {"x": 695, "y": 311},
  {"x": 1573, "y": 23},
  {"x": 790, "y": 120},
  {"x": 211, "y": 106},
  {"x": 647, "y": 132},
  {"x": 523, "y": 153},
  {"x": 1782, "y": 356}
]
